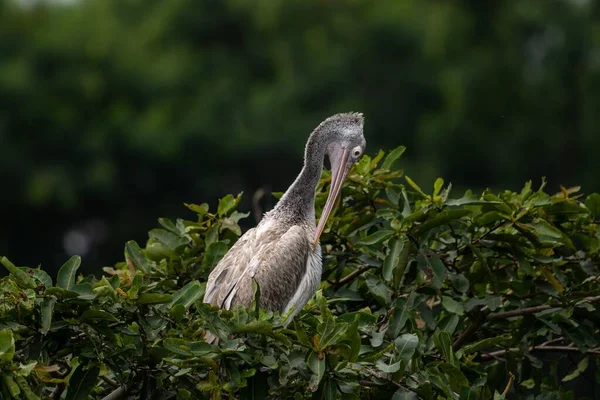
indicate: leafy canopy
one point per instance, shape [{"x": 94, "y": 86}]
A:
[{"x": 424, "y": 295}]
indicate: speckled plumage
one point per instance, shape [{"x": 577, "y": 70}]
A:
[{"x": 280, "y": 253}]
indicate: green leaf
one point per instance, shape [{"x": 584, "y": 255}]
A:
[
  {"x": 21, "y": 276},
  {"x": 456, "y": 378},
  {"x": 528, "y": 384},
  {"x": 169, "y": 239},
  {"x": 201, "y": 209},
  {"x": 484, "y": 344},
  {"x": 469, "y": 393},
  {"x": 214, "y": 253},
  {"x": 388, "y": 368},
  {"x": 47, "y": 312},
  {"x": 392, "y": 157},
  {"x": 255, "y": 327},
  {"x": 404, "y": 394},
  {"x": 11, "y": 386},
  {"x": 592, "y": 203},
  {"x": 452, "y": 305},
  {"x": 378, "y": 289},
  {"x": 7, "y": 346},
  {"x": 443, "y": 218},
  {"x": 169, "y": 225},
  {"x": 403, "y": 260},
  {"x": 392, "y": 195},
  {"x": 228, "y": 204},
  {"x": 138, "y": 259},
  {"x": 437, "y": 186},
  {"x": 136, "y": 285},
  {"x": 448, "y": 323},
  {"x": 400, "y": 314},
  {"x": 581, "y": 368},
  {"x": 392, "y": 259},
  {"x": 376, "y": 237},
  {"x": 28, "y": 394},
  {"x": 154, "y": 298},
  {"x": 26, "y": 370},
  {"x": 363, "y": 166},
  {"x": 43, "y": 277},
  {"x": 316, "y": 365},
  {"x": 330, "y": 391},
  {"x": 406, "y": 346},
  {"x": 416, "y": 187},
  {"x": 333, "y": 335},
  {"x": 353, "y": 338},
  {"x": 439, "y": 271},
  {"x": 443, "y": 341},
  {"x": 459, "y": 282},
  {"x": 543, "y": 228},
  {"x": 92, "y": 315},
  {"x": 187, "y": 295},
  {"x": 67, "y": 274},
  {"x": 82, "y": 382}
]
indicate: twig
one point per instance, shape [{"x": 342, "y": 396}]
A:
[
  {"x": 477, "y": 240},
  {"x": 61, "y": 386},
  {"x": 471, "y": 329},
  {"x": 511, "y": 379},
  {"x": 364, "y": 382},
  {"x": 494, "y": 354},
  {"x": 532, "y": 310},
  {"x": 110, "y": 381},
  {"x": 518, "y": 312},
  {"x": 58, "y": 390},
  {"x": 353, "y": 275},
  {"x": 558, "y": 339},
  {"x": 377, "y": 375},
  {"x": 116, "y": 394}
]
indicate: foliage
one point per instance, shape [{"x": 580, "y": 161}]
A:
[
  {"x": 423, "y": 295},
  {"x": 106, "y": 103}
]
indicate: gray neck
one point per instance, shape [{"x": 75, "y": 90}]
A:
[{"x": 298, "y": 203}]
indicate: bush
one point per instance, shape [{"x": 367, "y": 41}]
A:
[{"x": 422, "y": 296}]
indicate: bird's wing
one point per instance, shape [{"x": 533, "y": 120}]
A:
[
  {"x": 219, "y": 282},
  {"x": 275, "y": 255}
]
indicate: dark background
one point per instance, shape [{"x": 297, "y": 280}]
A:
[{"x": 115, "y": 112}]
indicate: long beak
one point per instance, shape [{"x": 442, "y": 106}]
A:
[{"x": 339, "y": 170}]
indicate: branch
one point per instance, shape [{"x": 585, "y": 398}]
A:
[
  {"x": 511, "y": 379},
  {"x": 116, "y": 394},
  {"x": 353, "y": 275},
  {"x": 532, "y": 310},
  {"x": 377, "y": 375},
  {"x": 495, "y": 354},
  {"x": 518, "y": 312},
  {"x": 110, "y": 381},
  {"x": 471, "y": 329},
  {"x": 58, "y": 390}
]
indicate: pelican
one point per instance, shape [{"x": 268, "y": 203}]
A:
[{"x": 282, "y": 253}]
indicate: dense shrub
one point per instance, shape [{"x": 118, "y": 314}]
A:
[{"x": 423, "y": 295}]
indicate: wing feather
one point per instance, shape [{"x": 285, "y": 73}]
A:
[
  {"x": 220, "y": 282},
  {"x": 275, "y": 254}
]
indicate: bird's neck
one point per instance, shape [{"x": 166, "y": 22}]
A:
[{"x": 298, "y": 202}]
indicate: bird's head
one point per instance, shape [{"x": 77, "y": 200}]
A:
[{"x": 344, "y": 145}]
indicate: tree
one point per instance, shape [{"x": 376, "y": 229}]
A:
[
  {"x": 109, "y": 104},
  {"x": 423, "y": 295}
]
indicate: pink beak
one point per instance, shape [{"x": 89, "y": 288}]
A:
[{"x": 339, "y": 171}]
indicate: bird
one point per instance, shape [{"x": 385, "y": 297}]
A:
[{"x": 283, "y": 252}]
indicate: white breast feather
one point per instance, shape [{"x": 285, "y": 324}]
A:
[{"x": 308, "y": 286}]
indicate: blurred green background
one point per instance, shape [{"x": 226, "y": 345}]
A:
[{"x": 115, "y": 112}]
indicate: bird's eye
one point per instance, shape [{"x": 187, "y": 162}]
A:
[{"x": 356, "y": 152}]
